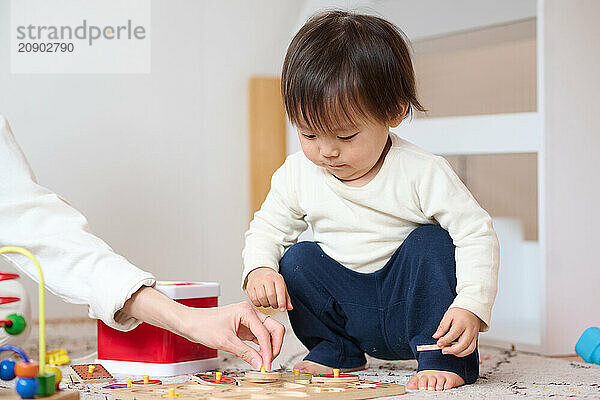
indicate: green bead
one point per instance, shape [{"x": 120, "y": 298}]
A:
[
  {"x": 18, "y": 324},
  {"x": 47, "y": 384}
]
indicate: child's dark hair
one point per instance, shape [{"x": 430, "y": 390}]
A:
[{"x": 341, "y": 66}]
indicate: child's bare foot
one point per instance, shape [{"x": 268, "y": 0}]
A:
[
  {"x": 434, "y": 380},
  {"x": 311, "y": 367}
]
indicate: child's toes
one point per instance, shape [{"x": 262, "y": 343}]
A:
[
  {"x": 431, "y": 382},
  {"x": 413, "y": 383},
  {"x": 453, "y": 380},
  {"x": 423, "y": 381},
  {"x": 448, "y": 384},
  {"x": 441, "y": 381}
]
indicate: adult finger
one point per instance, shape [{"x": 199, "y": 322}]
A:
[
  {"x": 277, "y": 332},
  {"x": 234, "y": 345},
  {"x": 252, "y": 322}
]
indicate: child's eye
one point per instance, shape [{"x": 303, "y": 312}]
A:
[
  {"x": 308, "y": 136},
  {"x": 347, "y": 137}
]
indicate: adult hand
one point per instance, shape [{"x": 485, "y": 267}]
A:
[
  {"x": 460, "y": 325},
  {"x": 266, "y": 288},
  {"x": 223, "y": 328}
]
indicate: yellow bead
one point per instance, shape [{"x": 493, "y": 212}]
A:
[
  {"x": 56, "y": 372},
  {"x": 296, "y": 372},
  {"x": 263, "y": 369}
]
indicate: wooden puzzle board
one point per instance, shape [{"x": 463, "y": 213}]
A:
[{"x": 285, "y": 388}]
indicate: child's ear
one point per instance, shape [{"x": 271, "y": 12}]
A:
[{"x": 396, "y": 121}]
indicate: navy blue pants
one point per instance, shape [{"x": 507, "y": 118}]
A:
[{"x": 340, "y": 314}]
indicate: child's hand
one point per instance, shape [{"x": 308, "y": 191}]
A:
[
  {"x": 266, "y": 288},
  {"x": 460, "y": 324}
]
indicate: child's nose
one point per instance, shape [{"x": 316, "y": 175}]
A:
[{"x": 329, "y": 151}]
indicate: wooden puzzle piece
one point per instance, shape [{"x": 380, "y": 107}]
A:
[
  {"x": 115, "y": 386},
  {"x": 298, "y": 377},
  {"x": 215, "y": 379},
  {"x": 430, "y": 347},
  {"x": 90, "y": 373},
  {"x": 262, "y": 376},
  {"x": 147, "y": 381}
]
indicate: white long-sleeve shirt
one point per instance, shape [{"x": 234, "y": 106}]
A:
[
  {"x": 361, "y": 227},
  {"x": 77, "y": 266}
]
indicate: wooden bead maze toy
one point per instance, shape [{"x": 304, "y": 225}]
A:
[{"x": 33, "y": 379}]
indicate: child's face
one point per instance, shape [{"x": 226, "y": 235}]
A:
[{"x": 348, "y": 153}]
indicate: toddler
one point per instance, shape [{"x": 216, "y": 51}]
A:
[{"x": 402, "y": 254}]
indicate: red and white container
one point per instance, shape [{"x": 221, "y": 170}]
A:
[{"x": 149, "y": 350}]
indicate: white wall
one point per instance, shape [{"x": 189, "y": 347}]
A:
[
  {"x": 157, "y": 162},
  {"x": 421, "y": 19},
  {"x": 569, "y": 104}
]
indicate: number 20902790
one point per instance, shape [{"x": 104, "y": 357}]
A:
[{"x": 45, "y": 47}]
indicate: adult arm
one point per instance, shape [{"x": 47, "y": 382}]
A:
[{"x": 78, "y": 266}]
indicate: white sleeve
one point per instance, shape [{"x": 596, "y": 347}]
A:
[
  {"x": 77, "y": 266},
  {"x": 446, "y": 199},
  {"x": 275, "y": 227}
]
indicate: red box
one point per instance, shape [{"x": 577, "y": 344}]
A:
[{"x": 149, "y": 350}]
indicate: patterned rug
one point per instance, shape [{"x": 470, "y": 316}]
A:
[{"x": 503, "y": 374}]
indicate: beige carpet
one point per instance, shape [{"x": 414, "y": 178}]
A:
[{"x": 503, "y": 374}]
